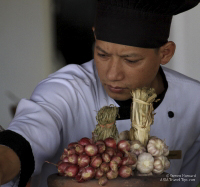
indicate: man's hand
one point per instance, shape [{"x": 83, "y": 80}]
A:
[{"x": 9, "y": 164}]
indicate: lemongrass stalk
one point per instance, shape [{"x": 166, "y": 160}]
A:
[
  {"x": 106, "y": 127},
  {"x": 142, "y": 116}
]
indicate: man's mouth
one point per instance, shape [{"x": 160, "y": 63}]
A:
[{"x": 115, "y": 89}]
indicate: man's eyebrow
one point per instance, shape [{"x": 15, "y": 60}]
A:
[
  {"x": 131, "y": 55},
  {"x": 99, "y": 48},
  {"x": 123, "y": 56}
]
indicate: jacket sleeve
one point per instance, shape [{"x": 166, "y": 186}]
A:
[
  {"x": 23, "y": 150},
  {"x": 41, "y": 119},
  {"x": 46, "y": 119}
]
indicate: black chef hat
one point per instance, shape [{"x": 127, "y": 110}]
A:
[{"x": 139, "y": 23}]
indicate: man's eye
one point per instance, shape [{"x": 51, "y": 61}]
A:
[
  {"x": 132, "y": 61},
  {"x": 101, "y": 55}
]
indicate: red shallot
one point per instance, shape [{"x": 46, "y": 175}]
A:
[
  {"x": 110, "y": 142},
  {"x": 98, "y": 173},
  {"x": 84, "y": 141},
  {"x": 125, "y": 171},
  {"x": 123, "y": 145},
  {"x": 88, "y": 173},
  {"x": 103, "y": 180},
  {"x": 105, "y": 167},
  {"x": 83, "y": 160},
  {"x": 91, "y": 149},
  {"x": 71, "y": 171},
  {"x": 96, "y": 161}
]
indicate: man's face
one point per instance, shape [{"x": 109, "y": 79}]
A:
[{"x": 123, "y": 68}]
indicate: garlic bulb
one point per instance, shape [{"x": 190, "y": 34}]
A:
[
  {"x": 145, "y": 163},
  {"x": 158, "y": 165},
  {"x": 124, "y": 135},
  {"x": 157, "y": 147},
  {"x": 161, "y": 163},
  {"x": 137, "y": 147},
  {"x": 167, "y": 163}
]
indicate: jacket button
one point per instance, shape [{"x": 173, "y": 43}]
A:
[{"x": 171, "y": 114}]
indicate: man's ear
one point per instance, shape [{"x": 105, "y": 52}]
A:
[
  {"x": 167, "y": 51},
  {"x": 93, "y": 29}
]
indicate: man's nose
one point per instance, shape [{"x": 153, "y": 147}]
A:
[{"x": 115, "y": 70}]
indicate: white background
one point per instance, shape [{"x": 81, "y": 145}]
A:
[{"x": 27, "y": 52}]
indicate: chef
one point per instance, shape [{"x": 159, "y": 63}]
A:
[{"x": 130, "y": 52}]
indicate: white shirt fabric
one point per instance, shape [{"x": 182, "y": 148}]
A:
[{"x": 63, "y": 108}]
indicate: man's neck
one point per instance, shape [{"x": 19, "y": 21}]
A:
[{"x": 159, "y": 84}]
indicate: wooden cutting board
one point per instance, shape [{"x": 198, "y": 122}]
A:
[{"x": 55, "y": 180}]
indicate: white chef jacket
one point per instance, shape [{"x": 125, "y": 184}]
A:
[{"x": 63, "y": 108}]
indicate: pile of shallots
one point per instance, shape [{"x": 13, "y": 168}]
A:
[
  {"x": 102, "y": 160},
  {"x": 106, "y": 159}
]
